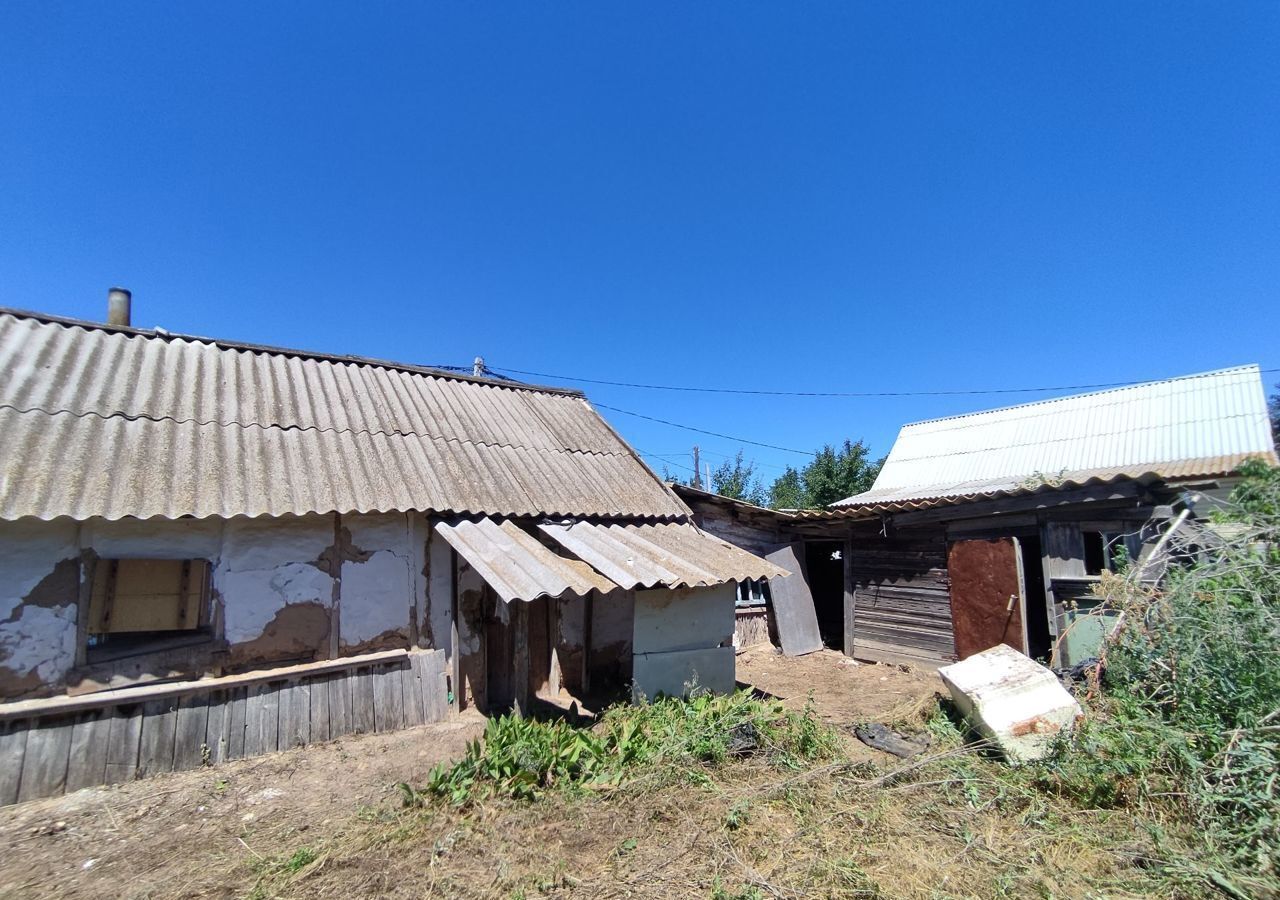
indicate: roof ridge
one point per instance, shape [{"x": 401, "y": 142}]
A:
[
  {"x": 271, "y": 350},
  {"x": 1246, "y": 367}
]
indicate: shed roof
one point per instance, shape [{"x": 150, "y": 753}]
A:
[
  {"x": 667, "y": 554},
  {"x": 104, "y": 421},
  {"x": 1189, "y": 427}
]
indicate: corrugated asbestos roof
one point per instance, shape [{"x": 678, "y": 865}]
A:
[
  {"x": 101, "y": 421},
  {"x": 1190, "y": 427},
  {"x": 669, "y": 554},
  {"x": 516, "y": 565}
]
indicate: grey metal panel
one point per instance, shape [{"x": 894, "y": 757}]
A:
[
  {"x": 794, "y": 614},
  {"x": 1197, "y": 425},
  {"x": 667, "y": 554},
  {"x": 516, "y": 565},
  {"x": 113, "y": 423}
]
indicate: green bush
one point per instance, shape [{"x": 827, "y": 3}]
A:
[
  {"x": 523, "y": 758},
  {"x": 1190, "y": 720}
]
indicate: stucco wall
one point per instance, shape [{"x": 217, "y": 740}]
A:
[
  {"x": 39, "y": 594},
  {"x": 289, "y": 589}
]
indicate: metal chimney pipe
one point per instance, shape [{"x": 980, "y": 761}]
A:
[{"x": 119, "y": 306}]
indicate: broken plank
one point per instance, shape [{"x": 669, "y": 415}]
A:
[
  {"x": 388, "y": 702},
  {"x": 363, "y": 718},
  {"x": 87, "y": 760},
  {"x": 412, "y": 684},
  {"x": 159, "y": 725},
  {"x": 217, "y": 732},
  {"x": 123, "y": 743},
  {"x": 236, "y": 704},
  {"x": 44, "y": 769},
  {"x": 295, "y": 715},
  {"x": 340, "y": 721},
  {"x": 13, "y": 747},
  {"x": 190, "y": 751},
  {"x": 319, "y": 709},
  {"x": 261, "y": 720}
]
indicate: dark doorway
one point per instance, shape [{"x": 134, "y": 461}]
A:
[
  {"x": 1036, "y": 613},
  {"x": 824, "y": 561}
]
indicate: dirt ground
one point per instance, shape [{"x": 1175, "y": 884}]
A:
[
  {"x": 207, "y": 833},
  {"x": 844, "y": 690},
  {"x": 180, "y": 834}
]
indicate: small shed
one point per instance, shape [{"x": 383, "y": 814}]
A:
[{"x": 995, "y": 526}]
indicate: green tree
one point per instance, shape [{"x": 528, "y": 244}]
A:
[
  {"x": 737, "y": 479},
  {"x": 787, "y": 491},
  {"x": 834, "y": 473}
]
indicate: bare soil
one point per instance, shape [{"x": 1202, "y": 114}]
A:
[
  {"x": 198, "y": 833},
  {"x": 328, "y": 821}
]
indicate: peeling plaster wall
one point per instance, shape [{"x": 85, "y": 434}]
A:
[
  {"x": 378, "y": 583},
  {"x": 265, "y": 566},
  {"x": 39, "y": 596}
]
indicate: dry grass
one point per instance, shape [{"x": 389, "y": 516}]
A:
[{"x": 952, "y": 825}]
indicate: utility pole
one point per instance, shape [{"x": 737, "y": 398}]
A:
[{"x": 697, "y": 469}]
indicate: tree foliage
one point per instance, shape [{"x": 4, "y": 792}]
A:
[
  {"x": 834, "y": 473},
  {"x": 737, "y": 479},
  {"x": 787, "y": 491}
]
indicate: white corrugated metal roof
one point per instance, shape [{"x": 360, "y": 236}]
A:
[
  {"x": 110, "y": 422},
  {"x": 516, "y": 565},
  {"x": 668, "y": 554},
  {"x": 1196, "y": 425}
]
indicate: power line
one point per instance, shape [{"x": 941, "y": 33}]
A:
[
  {"x": 727, "y": 437},
  {"x": 777, "y": 393}
]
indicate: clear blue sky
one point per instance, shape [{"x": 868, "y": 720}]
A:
[{"x": 815, "y": 196}]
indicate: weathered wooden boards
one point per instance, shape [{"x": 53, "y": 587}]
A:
[
  {"x": 46, "y": 755},
  {"x": 794, "y": 614}
]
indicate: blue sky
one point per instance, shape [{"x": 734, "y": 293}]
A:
[{"x": 817, "y": 196}]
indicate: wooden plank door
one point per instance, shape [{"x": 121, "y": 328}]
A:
[
  {"x": 793, "y": 611},
  {"x": 987, "y": 595}
]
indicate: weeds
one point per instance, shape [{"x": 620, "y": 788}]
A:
[
  {"x": 1189, "y": 724},
  {"x": 525, "y": 758}
]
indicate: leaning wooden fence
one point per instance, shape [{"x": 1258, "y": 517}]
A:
[{"x": 50, "y": 747}]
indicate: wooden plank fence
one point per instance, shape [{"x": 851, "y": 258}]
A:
[{"x": 50, "y": 747}]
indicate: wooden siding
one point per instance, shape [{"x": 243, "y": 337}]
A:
[
  {"x": 902, "y": 603},
  {"x": 53, "y": 746},
  {"x": 751, "y": 626}
]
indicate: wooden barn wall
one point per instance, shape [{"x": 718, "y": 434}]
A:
[
  {"x": 902, "y": 602},
  {"x": 51, "y": 747}
]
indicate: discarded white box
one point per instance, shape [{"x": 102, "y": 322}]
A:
[{"x": 1011, "y": 700}]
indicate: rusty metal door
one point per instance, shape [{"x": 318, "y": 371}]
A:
[{"x": 987, "y": 594}]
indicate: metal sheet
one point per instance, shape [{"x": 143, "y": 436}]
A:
[
  {"x": 99, "y": 421},
  {"x": 794, "y": 613},
  {"x": 1194, "y": 426},
  {"x": 667, "y": 554},
  {"x": 516, "y": 565}
]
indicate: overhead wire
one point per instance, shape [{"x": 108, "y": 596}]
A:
[{"x": 780, "y": 393}]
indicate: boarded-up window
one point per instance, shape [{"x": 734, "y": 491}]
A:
[{"x": 132, "y": 596}]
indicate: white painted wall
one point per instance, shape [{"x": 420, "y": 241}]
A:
[
  {"x": 36, "y": 639},
  {"x": 266, "y": 564},
  {"x": 378, "y": 593}
]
